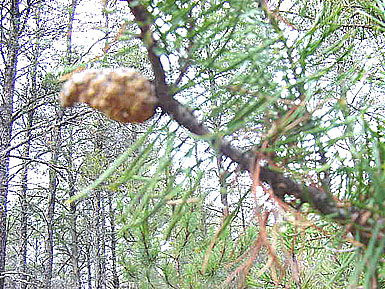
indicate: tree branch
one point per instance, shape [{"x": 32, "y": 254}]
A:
[{"x": 318, "y": 198}]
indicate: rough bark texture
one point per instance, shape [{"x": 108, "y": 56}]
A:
[
  {"x": 7, "y": 93},
  {"x": 5, "y": 132}
]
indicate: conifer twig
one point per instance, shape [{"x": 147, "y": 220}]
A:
[{"x": 318, "y": 198}]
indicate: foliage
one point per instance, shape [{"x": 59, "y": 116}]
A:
[
  {"x": 296, "y": 86},
  {"x": 256, "y": 78}
]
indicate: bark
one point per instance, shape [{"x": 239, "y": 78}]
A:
[
  {"x": 99, "y": 226},
  {"x": 23, "y": 199},
  {"x": 89, "y": 262},
  {"x": 76, "y": 282},
  {"x": 48, "y": 267},
  {"x": 74, "y": 4},
  {"x": 10, "y": 58},
  {"x": 73, "y": 217},
  {"x": 53, "y": 182},
  {"x": 31, "y": 95},
  {"x": 111, "y": 211},
  {"x": 113, "y": 242},
  {"x": 99, "y": 222}
]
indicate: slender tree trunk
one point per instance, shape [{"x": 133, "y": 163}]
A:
[
  {"x": 50, "y": 224},
  {"x": 31, "y": 94},
  {"x": 76, "y": 282},
  {"x": 6, "y": 124},
  {"x": 100, "y": 266},
  {"x": 74, "y": 4},
  {"x": 99, "y": 225},
  {"x": 55, "y": 146},
  {"x": 23, "y": 199},
  {"x": 115, "y": 276},
  {"x": 111, "y": 211},
  {"x": 23, "y": 230},
  {"x": 5, "y": 138},
  {"x": 89, "y": 262}
]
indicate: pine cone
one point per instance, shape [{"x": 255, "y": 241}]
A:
[{"x": 122, "y": 94}]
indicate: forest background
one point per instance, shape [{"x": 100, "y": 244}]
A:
[{"x": 263, "y": 166}]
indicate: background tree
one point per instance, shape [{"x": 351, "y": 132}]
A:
[
  {"x": 262, "y": 167},
  {"x": 9, "y": 53}
]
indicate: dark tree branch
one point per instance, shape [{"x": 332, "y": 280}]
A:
[{"x": 318, "y": 198}]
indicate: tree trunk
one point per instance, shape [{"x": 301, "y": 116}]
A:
[
  {"x": 88, "y": 260},
  {"x": 31, "y": 95},
  {"x": 10, "y": 57},
  {"x": 55, "y": 146},
  {"x": 23, "y": 199},
  {"x": 111, "y": 211},
  {"x": 74, "y": 257},
  {"x": 115, "y": 276},
  {"x": 99, "y": 226},
  {"x": 76, "y": 282},
  {"x": 48, "y": 268}
]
